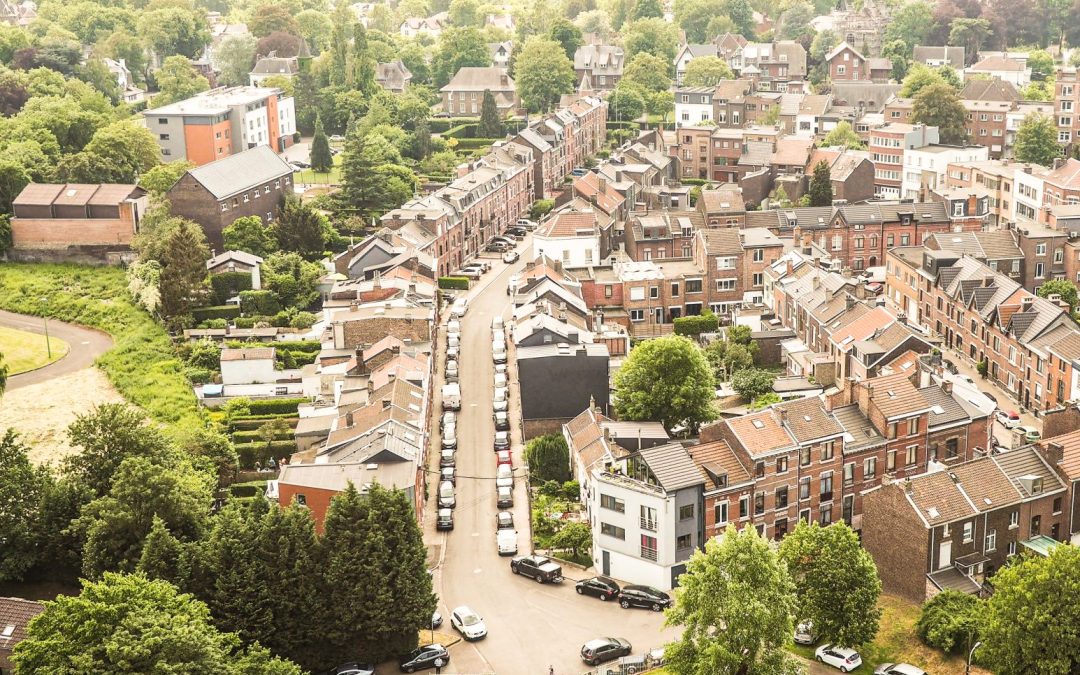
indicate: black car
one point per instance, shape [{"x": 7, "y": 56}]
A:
[
  {"x": 423, "y": 658},
  {"x": 600, "y": 587},
  {"x": 950, "y": 366},
  {"x": 644, "y": 596},
  {"x": 601, "y": 650},
  {"x": 517, "y": 232},
  {"x": 502, "y": 421}
]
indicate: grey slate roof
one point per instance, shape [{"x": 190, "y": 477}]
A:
[
  {"x": 878, "y": 213},
  {"x": 863, "y": 434},
  {"x": 241, "y": 171},
  {"x": 954, "y": 55},
  {"x": 672, "y": 466},
  {"x": 951, "y": 410}
]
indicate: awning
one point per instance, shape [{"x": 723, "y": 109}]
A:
[{"x": 1041, "y": 544}]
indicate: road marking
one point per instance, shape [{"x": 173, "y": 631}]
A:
[
  {"x": 477, "y": 571},
  {"x": 85, "y": 342},
  {"x": 476, "y": 534},
  {"x": 473, "y": 405}
]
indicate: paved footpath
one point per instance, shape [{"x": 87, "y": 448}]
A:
[{"x": 86, "y": 345}]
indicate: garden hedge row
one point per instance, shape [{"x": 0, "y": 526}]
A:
[
  {"x": 201, "y": 314},
  {"x": 260, "y": 452},
  {"x": 454, "y": 283},
  {"x": 277, "y": 405}
]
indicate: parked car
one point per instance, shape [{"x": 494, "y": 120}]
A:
[
  {"x": 500, "y": 380},
  {"x": 436, "y": 620},
  {"x": 898, "y": 669},
  {"x": 503, "y": 457},
  {"x": 444, "y": 520},
  {"x": 511, "y": 257},
  {"x": 447, "y": 458},
  {"x": 468, "y": 623},
  {"x": 301, "y": 164},
  {"x": 506, "y": 541},
  {"x": 459, "y": 308},
  {"x": 504, "y": 476},
  {"x": 602, "y": 650},
  {"x": 502, "y": 421},
  {"x": 448, "y": 473},
  {"x": 451, "y": 371},
  {"x": 1009, "y": 419},
  {"x": 449, "y": 437},
  {"x": 504, "y": 497},
  {"x": 504, "y": 520},
  {"x": 473, "y": 273},
  {"x": 447, "y": 500},
  {"x": 1031, "y": 434},
  {"x": 950, "y": 366},
  {"x": 498, "y": 352},
  {"x": 500, "y": 399},
  {"x": 502, "y": 440},
  {"x": 448, "y": 417},
  {"x": 516, "y": 232},
  {"x": 512, "y": 284},
  {"x": 600, "y": 587},
  {"x": 353, "y": 669},
  {"x": 453, "y": 353},
  {"x": 423, "y": 658},
  {"x": 838, "y": 657},
  {"x": 497, "y": 246},
  {"x": 453, "y": 327},
  {"x": 497, "y": 324},
  {"x": 804, "y": 633},
  {"x": 526, "y": 223},
  {"x": 643, "y": 596},
  {"x": 499, "y": 336},
  {"x": 537, "y": 567},
  {"x": 500, "y": 368}
]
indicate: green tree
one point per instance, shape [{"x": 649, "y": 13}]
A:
[
  {"x": 844, "y": 136},
  {"x": 911, "y": 23},
  {"x": 22, "y": 489},
  {"x": 128, "y": 624},
  {"x": 752, "y": 382},
  {"x": 795, "y": 21},
  {"x": 116, "y": 524},
  {"x": 1038, "y": 91},
  {"x": 13, "y": 178},
  {"x": 626, "y": 103},
  {"x": 735, "y": 604},
  {"x": 950, "y": 620},
  {"x": 898, "y": 52},
  {"x": 765, "y": 400},
  {"x": 654, "y": 36},
  {"x": 669, "y": 380},
  {"x": 648, "y": 9},
  {"x": 457, "y": 49},
  {"x": 575, "y": 537},
  {"x": 1065, "y": 288},
  {"x": 707, "y": 71},
  {"x": 490, "y": 125},
  {"x": 315, "y": 27},
  {"x": 466, "y": 13},
  {"x": 595, "y": 21},
  {"x": 374, "y": 536},
  {"x": 1042, "y": 65},
  {"x": 183, "y": 270},
  {"x": 919, "y": 77},
  {"x": 727, "y": 357},
  {"x": 938, "y": 105},
  {"x": 821, "y": 193},
  {"x": 321, "y": 158},
  {"x": 301, "y": 229},
  {"x": 971, "y": 33},
  {"x": 235, "y": 57},
  {"x": 836, "y": 582},
  {"x": 174, "y": 31},
  {"x": 127, "y": 149},
  {"x": 742, "y": 15},
  {"x": 693, "y": 17},
  {"x": 250, "y": 235},
  {"x": 106, "y": 436},
  {"x": 548, "y": 458},
  {"x": 1036, "y": 140},
  {"x": 648, "y": 72},
  {"x": 1029, "y": 622},
  {"x": 177, "y": 80},
  {"x": 543, "y": 74},
  {"x": 158, "y": 179},
  {"x": 361, "y": 64},
  {"x": 568, "y": 35},
  {"x": 161, "y": 554},
  {"x": 293, "y": 279},
  {"x": 271, "y": 18}
]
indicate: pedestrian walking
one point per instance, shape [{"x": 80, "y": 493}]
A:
[{"x": 551, "y": 670}]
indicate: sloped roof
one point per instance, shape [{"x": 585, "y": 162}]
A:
[
  {"x": 17, "y": 613},
  {"x": 896, "y": 396},
  {"x": 1000, "y": 64},
  {"x": 672, "y": 466},
  {"x": 951, "y": 410},
  {"x": 994, "y": 89},
  {"x": 569, "y": 224},
  {"x": 761, "y": 433},
  {"x": 807, "y": 419},
  {"x": 1070, "y": 452},
  {"x": 242, "y": 171},
  {"x": 721, "y": 240},
  {"x": 725, "y": 198},
  {"x": 954, "y": 55},
  {"x": 717, "y": 458},
  {"x": 862, "y": 433},
  {"x": 473, "y": 78}
]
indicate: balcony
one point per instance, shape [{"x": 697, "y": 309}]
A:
[
  {"x": 648, "y": 553},
  {"x": 648, "y": 524}
]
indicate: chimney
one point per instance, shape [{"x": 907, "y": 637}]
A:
[
  {"x": 385, "y": 403},
  {"x": 395, "y": 350},
  {"x": 601, "y": 184},
  {"x": 371, "y": 386},
  {"x": 946, "y": 386},
  {"x": 607, "y": 432},
  {"x": 1059, "y": 162},
  {"x": 907, "y": 485},
  {"x": 849, "y": 302},
  {"x": 349, "y": 421},
  {"x": 1054, "y": 453},
  {"x": 1026, "y": 302},
  {"x": 504, "y": 80}
]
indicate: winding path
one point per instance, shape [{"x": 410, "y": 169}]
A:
[{"x": 86, "y": 345}]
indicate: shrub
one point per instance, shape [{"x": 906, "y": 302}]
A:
[
  {"x": 215, "y": 312},
  {"x": 548, "y": 458},
  {"x": 283, "y": 318},
  {"x": 245, "y": 321},
  {"x": 693, "y": 326},
  {"x": 278, "y": 405},
  {"x": 260, "y": 452},
  {"x": 949, "y": 620},
  {"x": 303, "y": 320},
  {"x": 198, "y": 375},
  {"x": 454, "y": 283},
  {"x": 263, "y": 303},
  {"x": 229, "y": 284},
  {"x": 540, "y": 208},
  {"x": 215, "y": 323},
  {"x": 750, "y": 383}
]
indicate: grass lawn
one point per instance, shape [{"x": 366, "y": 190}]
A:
[
  {"x": 309, "y": 176},
  {"x": 142, "y": 364},
  {"x": 25, "y": 351}
]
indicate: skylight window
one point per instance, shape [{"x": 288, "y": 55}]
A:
[{"x": 758, "y": 424}]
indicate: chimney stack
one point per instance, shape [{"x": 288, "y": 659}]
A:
[
  {"x": 946, "y": 386},
  {"x": 349, "y": 421}
]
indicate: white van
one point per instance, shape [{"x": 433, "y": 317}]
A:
[
  {"x": 498, "y": 352},
  {"x": 446, "y": 495},
  {"x": 460, "y": 306},
  {"x": 507, "y": 542},
  {"x": 500, "y": 380},
  {"x": 451, "y": 396},
  {"x": 497, "y": 324},
  {"x": 499, "y": 336}
]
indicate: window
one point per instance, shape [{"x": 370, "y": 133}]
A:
[
  {"x": 1057, "y": 505},
  {"x": 849, "y": 473},
  {"x": 648, "y": 518},
  {"x": 684, "y": 541},
  {"x": 782, "y": 497},
  {"x": 869, "y": 468},
  {"x": 826, "y": 451},
  {"x": 648, "y": 547},
  {"x": 1038, "y": 270},
  {"x": 890, "y": 460},
  {"x": 804, "y": 456},
  {"x": 301, "y": 500},
  {"x": 1014, "y": 519},
  {"x": 675, "y": 289},
  {"x": 608, "y": 290},
  {"x": 612, "y": 530},
  {"x": 637, "y": 315},
  {"x": 725, "y": 284},
  {"x": 826, "y": 486},
  {"x": 781, "y": 464},
  {"x": 654, "y": 292},
  {"x": 969, "y": 532},
  {"x": 1011, "y": 548},
  {"x": 913, "y": 426},
  {"x": 991, "y": 541},
  {"x": 912, "y": 454},
  {"x": 826, "y": 514},
  {"x": 781, "y": 528},
  {"x": 744, "y": 506},
  {"x": 725, "y": 263},
  {"x": 224, "y": 206},
  {"x": 905, "y": 239},
  {"x": 1040, "y": 249},
  {"x": 720, "y": 512},
  {"x": 693, "y": 286},
  {"x": 804, "y": 488},
  {"x": 1036, "y": 525},
  {"x": 759, "y": 255},
  {"x": 612, "y": 504},
  {"x": 759, "y": 503},
  {"x": 759, "y": 279},
  {"x": 686, "y": 512},
  {"x": 841, "y": 69}
]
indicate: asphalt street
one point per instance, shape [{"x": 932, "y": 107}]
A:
[
  {"x": 531, "y": 626},
  {"x": 86, "y": 345}
]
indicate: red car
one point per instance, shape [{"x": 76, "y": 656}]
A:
[{"x": 503, "y": 457}]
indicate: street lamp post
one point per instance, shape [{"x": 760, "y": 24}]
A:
[
  {"x": 971, "y": 654},
  {"x": 48, "y": 345}
]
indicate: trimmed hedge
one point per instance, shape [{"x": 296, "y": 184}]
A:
[
  {"x": 263, "y": 303},
  {"x": 474, "y": 143},
  {"x": 279, "y": 405},
  {"x": 228, "y": 284},
  {"x": 254, "y": 424},
  {"x": 255, "y": 436},
  {"x": 696, "y": 181},
  {"x": 250, "y": 453},
  {"x": 201, "y": 314},
  {"x": 454, "y": 283},
  {"x": 696, "y": 325}
]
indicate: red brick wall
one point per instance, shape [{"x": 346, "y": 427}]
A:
[
  {"x": 317, "y": 500},
  {"x": 898, "y": 542}
]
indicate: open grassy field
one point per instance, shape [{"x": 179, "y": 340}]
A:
[
  {"x": 25, "y": 351},
  {"x": 142, "y": 365}
]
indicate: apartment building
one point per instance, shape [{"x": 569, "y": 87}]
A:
[
  {"x": 846, "y": 64},
  {"x": 997, "y": 181},
  {"x": 222, "y": 122},
  {"x": 693, "y": 106},
  {"x": 693, "y": 149},
  {"x": 926, "y": 168},
  {"x": 987, "y": 124},
  {"x": 601, "y": 66},
  {"x": 1067, "y": 106},
  {"x": 888, "y": 143}
]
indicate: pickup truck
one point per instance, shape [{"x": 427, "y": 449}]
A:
[{"x": 538, "y": 567}]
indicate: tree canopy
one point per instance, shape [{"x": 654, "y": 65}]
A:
[
  {"x": 543, "y": 74},
  {"x": 707, "y": 71},
  {"x": 938, "y": 105},
  {"x": 1036, "y": 140},
  {"x": 666, "y": 379}
]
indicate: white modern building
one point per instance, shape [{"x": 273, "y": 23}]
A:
[
  {"x": 571, "y": 237},
  {"x": 928, "y": 165},
  {"x": 693, "y": 106}
]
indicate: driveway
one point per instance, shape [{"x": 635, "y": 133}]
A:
[
  {"x": 531, "y": 626},
  {"x": 86, "y": 345},
  {"x": 298, "y": 151}
]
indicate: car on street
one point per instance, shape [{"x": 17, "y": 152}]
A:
[
  {"x": 506, "y": 541},
  {"x": 1031, "y": 434},
  {"x": 538, "y": 567},
  {"x": 444, "y": 520},
  {"x": 529, "y": 225},
  {"x": 511, "y": 257},
  {"x": 336, "y": 138},
  {"x": 453, "y": 353},
  {"x": 600, "y": 587},
  {"x": 451, "y": 396},
  {"x": 504, "y": 520},
  {"x": 950, "y": 366},
  {"x": 453, "y": 327},
  {"x": 504, "y": 498},
  {"x": 898, "y": 669},
  {"x": 447, "y": 458},
  {"x": 423, "y": 658},
  {"x": 473, "y": 273},
  {"x": 448, "y": 417},
  {"x": 448, "y": 473},
  {"x": 459, "y": 308},
  {"x": 502, "y": 421},
  {"x": 1009, "y": 419},
  {"x": 499, "y": 399},
  {"x": 447, "y": 500},
  {"x": 449, "y": 437},
  {"x": 504, "y": 476},
  {"x": 498, "y": 352},
  {"x": 804, "y": 633},
  {"x": 602, "y": 650},
  {"x": 503, "y": 457},
  {"x": 838, "y": 657},
  {"x": 502, "y": 440},
  {"x": 301, "y": 164},
  {"x": 517, "y": 232},
  {"x": 451, "y": 371},
  {"x": 643, "y": 596},
  {"x": 436, "y": 620},
  {"x": 468, "y": 623},
  {"x": 500, "y": 380},
  {"x": 353, "y": 669},
  {"x": 497, "y": 246},
  {"x": 512, "y": 284}
]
